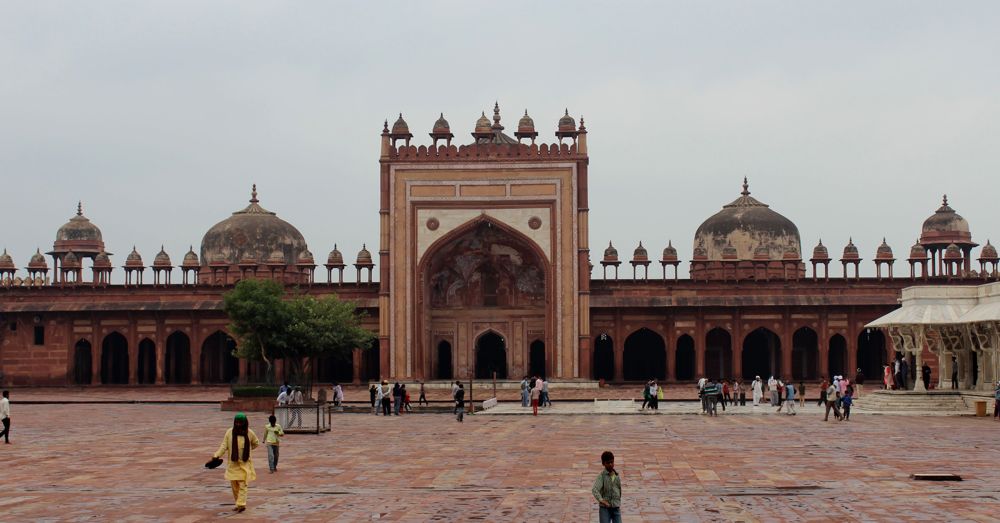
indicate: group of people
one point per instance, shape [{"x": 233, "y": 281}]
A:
[
  {"x": 838, "y": 396},
  {"x": 652, "y": 393},
  {"x": 391, "y": 404},
  {"x": 535, "y": 392},
  {"x": 288, "y": 395}
]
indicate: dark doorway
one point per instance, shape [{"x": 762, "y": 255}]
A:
[
  {"x": 604, "y": 358},
  {"x": 805, "y": 354},
  {"x": 146, "y": 371},
  {"x": 444, "y": 364},
  {"x": 491, "y": 356},
  {"x": 114, "y": 360},
  {"x": 218, "y": 365},
  {"x": 372, "y": 359},
  {"x": 82, "y": 363},
  {"x": 837, "y": 359},
  {"x": 871, "y": 353},
  {"x": 645, "y": 356},
  {"x": 177, "y": 364},
  {"x": 761, "y": 354},
  {"x": 684, "y": 359},
  {"x": 718, "y": 354},
  {"x": 537, "y": 358},
  {"x": 336, "y": 368}
]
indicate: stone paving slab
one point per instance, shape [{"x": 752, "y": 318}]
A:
[{"x": 144, "y": 463}]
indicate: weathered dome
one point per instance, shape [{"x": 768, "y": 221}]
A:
[
  {"x": 762, "y": 253},
  {"x": 884, "y": 252},
  {"x": 37, "y": 261},
  {"x": 610, "y": 254},
  {"x": 567, "y": 123},
  {"x": 102, "y": 260},
  {"x": 133, "y": 259},
  {"x": 441, "y": 125},
  {"x": 851, "y": 250},
  {"x": 191, "y": 259},
  {"x": 305, "y": 258},
  {"x": 640, "y": 254},
  {"x": 791, "y": 253},
  {"x": 6, "y": 262},
  {"x": 945, "y": 226},
  {"x": 669, "y": 252},
  {"x": 820, "y": 252},
  {"x": 251, "y": 233},
  {"x": 525, "y": 124},
  {"x": 364, "y": 257},
  {"x": 700, "y": 253},
  {"x": 952, "y": 252},
  {"x": 79, "y": 234},
  {"x": 746, "y": 224},
  {"x": 400, "y": 126},
  {"x": 989, "y": 252},
  {"x": 276, "y": 258},
  {"x": 483, "y": 124},
  {"x": 335, "y": 257},
  {"x": 918, "y": 252},
  {"x": 162, "y": 259},
  {"x": 729, "y": 252},
  {"x": 70, "y": 260}
]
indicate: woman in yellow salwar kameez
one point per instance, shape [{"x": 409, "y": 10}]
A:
[{"x": 237, "y": 444}]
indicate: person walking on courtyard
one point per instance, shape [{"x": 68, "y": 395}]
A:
[
  {"x": 397, "y": 398},
  {"x": 772, "y": 389},
  {"x": 386, "y": 399},
  {"x": 338, "y": 395},
  {"x": 454, "y": 393},
  {"x": 372, "y": 399},
  {"x": 272, "y": 435},
  {"x": 423, "y": 396},
  {"x": 789, "y": 399},
  {"x": 406, "y": 399},
  {"x": 5, "y": 416},
  {"x": 536, "y": 394},
  {"x": 859, "y": 382},
  {"x": 954, "y": 373},
  {"x": 802, "y": 394},
  {"x": 710, "y": 397},
  {"x": 545, "y": 394},
  {"x": 460, "y": 402},
  {"x": 525, "y": 392},
  {"x": 742, "y": 392},
  {"x": 236, "y": 445},
  {"x": 607, "y": 490},
  {"x": 886, "y": 377},
  {"x": 822, "y": 391},
  {"x": 904, "y": 373},
  {"x": 925, "y": 374},
  {"x": 831, "y": 403},
  {"x": 847, "y": 401},
  {"x": 645, "y": 397},
  {"x": 756, "y": 386},
  {"x": 653, "y": 404},
  {"x": 727, "y": 396},
  {"x": 296, "y": 403},
  {"x": 283, "y": 397},
  {"x": 659, "y": 395}
]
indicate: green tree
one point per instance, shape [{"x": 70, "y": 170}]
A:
[{"x": 258, "y": 318}]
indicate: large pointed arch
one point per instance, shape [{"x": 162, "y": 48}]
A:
[{"x": 491, "y": 355}]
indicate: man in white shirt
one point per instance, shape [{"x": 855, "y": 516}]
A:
[
  {"x": 758, "y": 391},
  {"x": 296, "y": 400},
  {"x": 5, "y": 416},
  {"x": 282, "y": 398}
]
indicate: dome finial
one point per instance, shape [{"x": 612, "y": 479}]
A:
[
  {"x": 79, "y": 208},
  {"x": 944, "y": 200},
  {"x": 253, "y": 194},
  {"x": 746, "y": 187},
  {"x": 385, "y": 126}
]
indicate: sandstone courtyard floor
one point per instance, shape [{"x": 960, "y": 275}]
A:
[{"x": 144, "y": 462}]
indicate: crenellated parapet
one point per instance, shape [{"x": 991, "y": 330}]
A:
[{"x": 489, "y": 151}]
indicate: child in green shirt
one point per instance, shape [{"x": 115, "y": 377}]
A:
[{"x": 272, "y": 432}]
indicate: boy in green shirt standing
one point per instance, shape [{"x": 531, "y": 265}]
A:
[{"x": 607, "y": 490}]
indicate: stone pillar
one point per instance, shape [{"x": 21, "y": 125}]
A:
[
  {"x": 786, "y": 356},
  {"x": 918, "y": 385},
  {"x": 824, "y": 355},
  {"x": 356, "y": 356},
  {"x": 699, "y": 351},
  {"x": 618, "y": 348},
  {"x": 241, "y": 377}
]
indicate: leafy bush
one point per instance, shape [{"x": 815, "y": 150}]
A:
[{"x": 255, "y": 391}]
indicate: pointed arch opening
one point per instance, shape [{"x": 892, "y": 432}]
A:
[
  {"x": 837, "y": 358},
  {"x": 718, "y": 354},
  {"x": 805, "y": 354},
  {"x": 871, "y": 352},
  {"x": 82, "y": 363},
  {"x": 335, "y": 368},
  {"x": 645, "y": 356},
  {"x": 684, "y": 358},
  {"x": 536, "y": 358},
  {"x": 761, "y": 354},
  {"x": 114, "y": 360},
  {"x": 604, "y": 358},
  {"x": 491, "y": 356},
  {"x": 218, "y": 365},
  {"x": 444, "y": 361},
  {"x": 177, "y": 363},
  {"x": 146, "y": 369}
]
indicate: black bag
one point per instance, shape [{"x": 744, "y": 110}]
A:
[{"x": 213, "y": 463}]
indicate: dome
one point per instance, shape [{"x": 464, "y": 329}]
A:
[
  {"x": 918, "y": 252},
  {"x": 191, "y": 259},
  {"x": 762, "y": 253},
  {"x": 747, "y": 224},
  {"x": 640, "y": 254},
  {"x": 989, "y": 252},
  {"x": 335, "y": 257},
  {"x": 729, "y": 252},
  {"x": 276, "y": 258},
  {"x": 102, "y": 260},
  {"x": 791, "y": 253},
  {"x": 79, "y": 234},
  {"x": 6, "y": 262},
  {"x": 70, "y": 260},
  {"x": 944, "y": 227},
  {"x": 953, "y": 252},
  {"x": 669, "y": 252},
  {"x": 700, "y": 253},
  {"x": 133, "y": 259},
  {"x": 162, "y": 259},
  {"x": 567, "y": 123},
  {"x": 884, "y": 252},
  {"x": 483, "y": 124},
  {"x": 364, "y": 257},
  {"x": 851, "y": 250},
  {"x": 525, "y": 124},
  {"x": 399, "y": 126},
  {"x": 251, "y": 233},
  {"x": 820, "y": 252},
  {"x": 37, "y": 261},
  {"x": 610, "y": 254},
  {"x": 305, "y": 258},
  {"x": 440, "y": 126}
]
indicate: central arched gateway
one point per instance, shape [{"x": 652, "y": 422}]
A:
[
  {"x": 761, "y": 354},
  {"x": 484, "y": 277},
  {"x": 491, "y": 356}
]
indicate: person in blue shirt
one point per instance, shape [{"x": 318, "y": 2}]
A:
[{"x": 846, "y": 402}]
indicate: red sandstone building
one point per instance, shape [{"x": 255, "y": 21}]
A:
[{"x": 484, "y": 266}]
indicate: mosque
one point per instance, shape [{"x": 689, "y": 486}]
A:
[{"x": 484, "y": 266}]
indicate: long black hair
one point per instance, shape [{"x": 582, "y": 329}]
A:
[{"x": 241, "y": 427}]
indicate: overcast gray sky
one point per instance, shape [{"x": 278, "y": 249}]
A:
[{"x": 850, "y": 118}]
